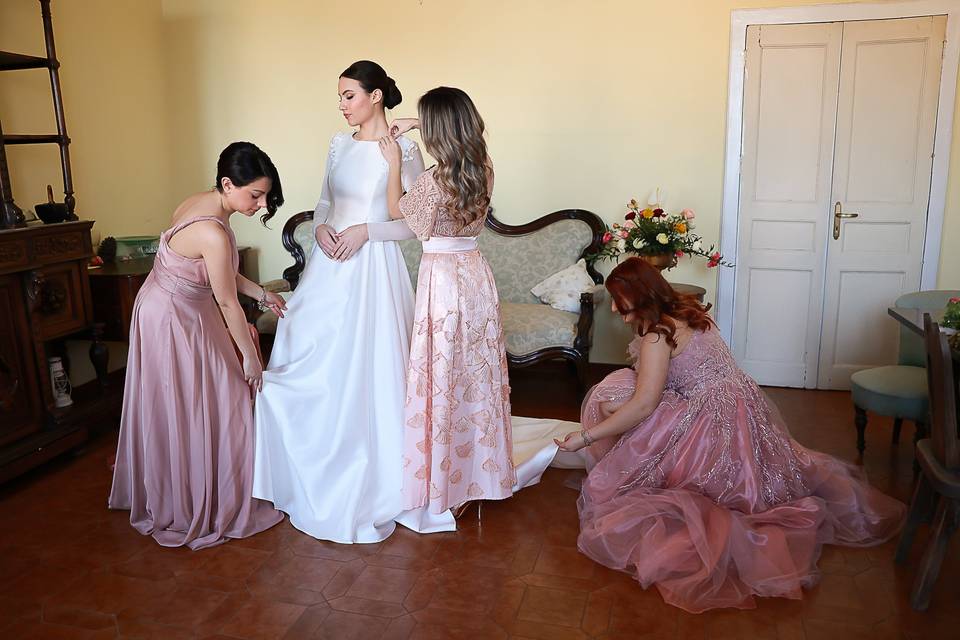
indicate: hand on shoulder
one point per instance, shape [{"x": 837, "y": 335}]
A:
[{"x": 402, "y": 125}]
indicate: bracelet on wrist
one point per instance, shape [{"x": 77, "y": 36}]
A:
[{"x": 586, "y": 437}]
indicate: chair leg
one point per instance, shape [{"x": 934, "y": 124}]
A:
[
  {"x": 860, "y": 419},
  {"x": 919, "y": 433},
  {"x": 924, "y": 498},
  {"x": 897, "y": 423},
  {"x": 944, "y": 524}
]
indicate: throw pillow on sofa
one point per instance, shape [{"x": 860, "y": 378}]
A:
[{"x": 562, "y": 290}]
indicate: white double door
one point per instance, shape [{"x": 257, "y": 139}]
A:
[{"x": 839, "y": 119}]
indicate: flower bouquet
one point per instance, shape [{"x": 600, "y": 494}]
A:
[
  {"x": 657, "y": 236},
  {"x": 951, "y": 315}
]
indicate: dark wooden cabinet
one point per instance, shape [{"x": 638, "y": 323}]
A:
[
  {"x": 44, "y": 298},
  {"x": 20, "y": 404}
]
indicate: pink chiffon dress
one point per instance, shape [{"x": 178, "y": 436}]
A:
[
  {"x": 709, "y": 498},
  {"x": 184, "y": 464},
  {"x": 457, "y": 438}
]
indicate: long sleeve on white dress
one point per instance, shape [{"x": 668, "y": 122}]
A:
[
  {"x": 410, "y": 168},
  {"x": 322, "y": 211}
]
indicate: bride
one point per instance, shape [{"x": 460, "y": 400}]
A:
[{"x": 329, "y": 420}]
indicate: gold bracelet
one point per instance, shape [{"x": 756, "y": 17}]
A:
[{"x": 586, "y": 438}]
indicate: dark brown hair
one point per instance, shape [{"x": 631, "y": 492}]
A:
[
  {"x": 371, "y": 77},
  {"x": 452, "y": 131},
  {"x": 244, "y": 162}
]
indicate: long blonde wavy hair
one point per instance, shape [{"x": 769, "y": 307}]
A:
[{"x": 452, "y": 130}]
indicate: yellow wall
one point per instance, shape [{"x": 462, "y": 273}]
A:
[
  {"x": 112, "y": 72},
  {"x": 587, "y": 103}
]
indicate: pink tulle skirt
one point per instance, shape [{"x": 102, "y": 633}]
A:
[{"x": 710, "y": 499}]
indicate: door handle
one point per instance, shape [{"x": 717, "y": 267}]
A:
[{"x": 838, "y": 215}]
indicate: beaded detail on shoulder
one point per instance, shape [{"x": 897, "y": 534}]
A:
[
  {"x": 336, "y": 143},
  {"x": 408, "y": 147}
]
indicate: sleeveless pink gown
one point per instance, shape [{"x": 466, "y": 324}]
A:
[
  {"x": 710, "y": 499},
  {"x": 184, "y": 464}
]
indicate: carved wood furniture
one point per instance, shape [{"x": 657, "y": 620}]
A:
[
  {"x": 520, "y": 256},
  {"x": 45, "y": 297}
]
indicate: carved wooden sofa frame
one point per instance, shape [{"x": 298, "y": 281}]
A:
[{"x": 575, "y": 351}]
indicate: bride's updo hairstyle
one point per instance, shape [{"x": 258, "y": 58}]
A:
[
  {"x": 371, "y": 77},
  {"x": 638, "y": 288}
]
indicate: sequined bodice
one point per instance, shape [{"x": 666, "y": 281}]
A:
[{"x": 705, "y": 361}]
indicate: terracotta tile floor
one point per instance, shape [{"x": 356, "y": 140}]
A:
[{"x": 71, "y": 569}]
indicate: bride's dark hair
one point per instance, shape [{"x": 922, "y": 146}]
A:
[
  {"x": 371, "y": 77},
  {"x": 638, "y": 288}
]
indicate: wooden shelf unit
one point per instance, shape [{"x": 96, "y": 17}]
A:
[{"x": 11, "y": 216}]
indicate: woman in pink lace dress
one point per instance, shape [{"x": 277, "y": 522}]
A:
[
  {"x": 457, "y": 441},
  {"x": 694, "y": 483}
]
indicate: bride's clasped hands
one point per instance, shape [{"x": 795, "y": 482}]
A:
[{"x": 341, "y": 246}]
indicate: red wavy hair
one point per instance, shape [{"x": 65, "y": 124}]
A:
[{"x": 638, "y": 288}]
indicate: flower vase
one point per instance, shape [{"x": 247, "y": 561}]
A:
[{"x": 662, "y": 261}]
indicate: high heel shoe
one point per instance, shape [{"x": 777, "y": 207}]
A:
[{"x": 462, "y": 508}]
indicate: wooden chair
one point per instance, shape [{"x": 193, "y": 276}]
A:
[
  {"x": 936, "y": 499},
  {"x": 899, "y": 390}
]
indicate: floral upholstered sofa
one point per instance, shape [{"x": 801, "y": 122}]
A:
[{"x": 520, "y": 257}]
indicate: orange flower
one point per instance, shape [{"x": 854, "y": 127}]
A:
[
  {"x": 647, "y": 213},
  {"x": 680, "y": 227}
]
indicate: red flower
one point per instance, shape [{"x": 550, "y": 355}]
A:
[
  {"x": 630, "y": 215},
  {"x": 607, "y": 237},
  {"x": 679, "y": 253},
  {"x": 954, "y": 300},
  {"x": 658, "y": 212}
]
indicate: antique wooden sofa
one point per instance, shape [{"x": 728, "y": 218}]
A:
[{"x": 520, "y": 257}]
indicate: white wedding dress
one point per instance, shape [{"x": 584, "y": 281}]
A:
[{"x": 329, "y": 420}]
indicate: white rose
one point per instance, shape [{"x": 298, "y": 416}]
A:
[
  {"x": 662, "y": 238},
  {"x": 697, "y": 246},
  {"x": 621, "y": 245},
  {"x": 638, "y": 243}
]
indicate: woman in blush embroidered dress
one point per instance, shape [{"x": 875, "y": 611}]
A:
[
  {"x": 694, "y": 483},
  {"x": 457, "y": 440},
  {"x": 185, "y": 458}
]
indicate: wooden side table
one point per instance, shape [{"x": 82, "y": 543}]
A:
[
  {"x": 689, "y": 289},
  {"x": 114, "y": 289}
]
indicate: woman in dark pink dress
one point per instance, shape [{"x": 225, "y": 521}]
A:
[
  {"x": 184, "y": 464},
  {"x": 694, "y": 483}
]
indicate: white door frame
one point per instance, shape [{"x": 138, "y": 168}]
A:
[{"x": 739, "y": 20}]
